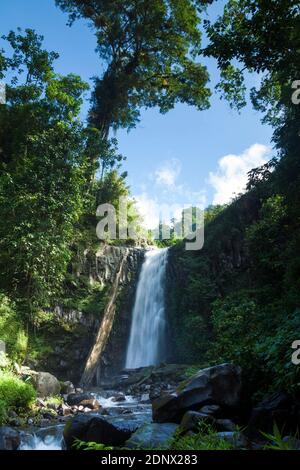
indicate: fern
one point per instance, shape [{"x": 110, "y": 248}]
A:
[
  {"x": 276, "y": 440},
  {"x": 81, "y": 445}
]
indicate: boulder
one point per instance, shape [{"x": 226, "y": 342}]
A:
[
  {"x": 46, "y": 384},
  {"x": 65, "y": 410},
  {"x": 75, "y": 399},
  {"x": 91, "y": 404},
  {"x": 211, "y": 410},
  {"x": 152, "y": 436},
  {"x": 279, "y": 408},
  {"x": 219, "y": 385},
  {"x": 120, "y": 397},
  {"x": 9, "y": 438},
  {"x": 89, "y": 428},
  {"x": 67, "y": 388}
]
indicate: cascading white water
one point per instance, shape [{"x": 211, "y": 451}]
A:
[
  {"x": 148, "y": 326},
  {"x": 50, "y": 438}
]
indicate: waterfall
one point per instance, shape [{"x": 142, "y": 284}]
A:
[{"x": 148, "y": 328}]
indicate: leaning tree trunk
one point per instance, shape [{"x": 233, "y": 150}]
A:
[{"x": 92, "y": 366}]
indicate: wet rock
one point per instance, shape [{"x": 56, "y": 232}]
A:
[
  {"x": 155, "y": 393},
  {"x": 120, "y": 397},
  {"x": 67, "y": 388},
  {"x": 49, "y": 414},
  {"x": 91, "y": 404},
  {"x": 15, "y": 422},
  {"x": 13, "y": 419},
  {"x": 44, "y": 422},
  {"x": 219, "y": 385},
  {"x": 65, "y": 410},
  {"x": 9, "y": 438},
  {"x": 151, "y": 436},
  {"x": 211, "y": 410},
  {"x": 75, "y": 399},
  {"x": 292, "y": 442},
  {"x": 236, "y": 439},
  {"x": 94, "y": 429}
]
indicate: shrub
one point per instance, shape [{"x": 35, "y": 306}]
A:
[
  {"x": 15, "y": 393},
  {"x": 2, "y": 412}
]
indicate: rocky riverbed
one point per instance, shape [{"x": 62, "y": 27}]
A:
[{"x": 146, "y": 408}]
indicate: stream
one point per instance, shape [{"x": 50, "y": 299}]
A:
[{"x": 51, "y": 438}]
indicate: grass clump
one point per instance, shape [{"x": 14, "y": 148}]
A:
[
  {"x": 206, "y": 439},
  {"x": 15, "y": 394}
]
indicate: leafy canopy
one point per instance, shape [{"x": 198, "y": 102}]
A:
[{"x": 150, "y": 50}]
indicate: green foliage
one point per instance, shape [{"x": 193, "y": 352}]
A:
[
  {"x": 246, "y": 279},
  {"x": 11, "y": 330},
  {"x": 4, "y": 361},
  {"x": 42, "y": 169},
  {"x": 14, "y": 393},
  {"x": 276, "y": 440},
  {"x": 54, "y": 401},
  {"x": 205, "y": 439},
  {"x": 266, "y": 238},
  {"x": 230, "y": 317},
  {"x": 150, "y": 50},
  {"x": 225, "y": 309},
  {"x": 81, "y": 445},
  {"x": 3, "y": 412},
  {"x": 232, "y": 87}
]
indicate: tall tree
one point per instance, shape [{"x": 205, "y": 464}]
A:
[
  {"x": 150, "y": 50},
  {"x": 263, "y": 36},
  {"x": 42, "y": 166}
]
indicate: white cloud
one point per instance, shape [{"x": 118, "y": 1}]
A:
[
  {"x": 163, "y": 197},
  {"x": 167, "y": 174},
  {"x": 231, "y": 177},
  {"x": 147, "y": 207}
]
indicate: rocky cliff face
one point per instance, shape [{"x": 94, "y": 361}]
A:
[
  {"x": 113, "y": 272},
  {"x": 108, "y": 352}
]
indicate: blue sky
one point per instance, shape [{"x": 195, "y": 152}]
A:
[{"x": 184, "y": 157}]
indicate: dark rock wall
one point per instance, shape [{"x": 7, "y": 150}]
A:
[{"x": 76, "y": 331}]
